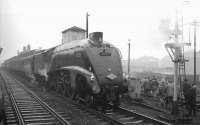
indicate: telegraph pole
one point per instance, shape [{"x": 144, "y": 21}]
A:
[
  {"x": 129, "y": 49},
  {"x": 182, "y": 27},
  {"x": 189, "y": 35},
  {"x": 87, "y": 15},
  {"x": 195, "y": 25},
  {"x": 185, "y": 2}
]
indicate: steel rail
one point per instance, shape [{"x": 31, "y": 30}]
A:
[
  {"x": 120, "y": 111},
  {"x": 20, "y": 118},
  {"x": 145, "y": 105},
  {"x": 45, "y": 105},
  {"x": 12, "y": 98},
  {"x": 124, "y": 112},
  {"x": 131, "y": 112},
  {"x": 113, "y": 120},
  {"x": 105, "y": 116}
]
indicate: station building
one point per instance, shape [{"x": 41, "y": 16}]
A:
[{"x": 73, "y": 33}]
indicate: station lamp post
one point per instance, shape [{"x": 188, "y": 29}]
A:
[
  {"x": 195, "y": 25},
  {"x": 129, "y": 50}
]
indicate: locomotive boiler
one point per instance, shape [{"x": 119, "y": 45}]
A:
[{"x": 89, "y": 70}]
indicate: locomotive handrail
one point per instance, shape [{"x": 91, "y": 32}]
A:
[{"x": 76, "y": 68}]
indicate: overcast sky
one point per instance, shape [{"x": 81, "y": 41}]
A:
[{"x": 40, "y": 22}]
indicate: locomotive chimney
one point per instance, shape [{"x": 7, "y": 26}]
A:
[{"x": 96, "y": 37}]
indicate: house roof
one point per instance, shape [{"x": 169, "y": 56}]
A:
[{"x": 74, "y": 28}]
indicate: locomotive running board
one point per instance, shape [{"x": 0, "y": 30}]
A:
[{"x": 76, "y": 69}]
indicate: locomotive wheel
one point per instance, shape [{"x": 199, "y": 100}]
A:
[
  {"x": 116, "y": 103},
  {"x": 71, "y": 93},
  {"x": 67, "y": 90},
  {"x": 57, "y": 87},
  {"x": 54, "y": 82},
  {"x": 89, "y": 99},
  {"x": 66, "y": 86},
  {"x": 51, "y": 82},
  {"x": 74, "y": 95},
  {"x": 63, "y": 82},
  {"x": 83, "y": 91},
  {"x": 58, "y": 84}
]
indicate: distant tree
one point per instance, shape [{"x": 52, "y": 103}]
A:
[{"x": 1, "y": 49}]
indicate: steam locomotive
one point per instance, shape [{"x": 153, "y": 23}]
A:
[{"x": 88, "y": 69}]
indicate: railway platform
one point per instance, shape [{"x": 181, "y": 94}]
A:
[
  {"x": 176, "y": 118},
  {"x": 165, "y": 115},
  {"x": 182, "y": 117}
]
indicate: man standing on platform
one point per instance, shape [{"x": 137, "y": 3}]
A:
[
  {"x": 192, "y": 100},
  {"x": 186, "y": 89}
]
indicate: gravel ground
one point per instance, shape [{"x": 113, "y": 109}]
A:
[
  {"x": 126, "y": 102},
  {"x": 81, "y": 117},
  {"x": 130, "y": 104},
  {"x": 76, "y": 115}
]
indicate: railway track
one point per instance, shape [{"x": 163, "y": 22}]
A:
[
  {"x": 141, "y": 104},
  {"x": 11, "y": 118},
  {"x": 27, "y": 108},
  {"x": 121, "y": 116}
]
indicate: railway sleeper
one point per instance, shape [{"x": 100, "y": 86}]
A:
[
  {"x": 35, "y": 114},
  {"x": 40, "y": 120}
]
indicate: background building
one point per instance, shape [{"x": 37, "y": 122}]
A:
[{"x": 73, "y": 33}]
